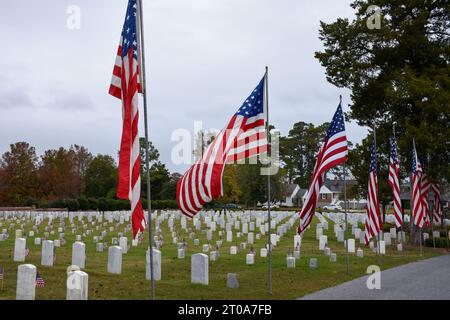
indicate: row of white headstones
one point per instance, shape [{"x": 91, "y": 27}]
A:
[{"x": 199, "y": 262}]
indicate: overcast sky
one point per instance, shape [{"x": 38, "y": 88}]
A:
[{"x": 203, "y": 59}]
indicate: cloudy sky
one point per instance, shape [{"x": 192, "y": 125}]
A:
[{"x": 203, "y": 58}]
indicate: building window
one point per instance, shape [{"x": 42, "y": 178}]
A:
[{"x": 323, "y": 196}]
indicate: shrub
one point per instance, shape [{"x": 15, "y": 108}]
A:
[
  {"x": 92, "y": 204},
  {"x": 72, "y": 204},
  {"x": 58, "y": 203},
  {"x": 83, "y": 203},
  {"x": 440, "y": 242}
]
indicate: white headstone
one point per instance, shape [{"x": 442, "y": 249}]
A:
[
  {"x": 319, "y": 232},
  {"x": 250, "y": 238},
  {"x": 357, "y": 233},
  {"x": 233, "y": 250},
  {"x": 99, "y": 247},
  {"x": 244, "y": 228},
  {"x": 250, "y": 259},
  {"x": 297, "y": 241},
  {"x": 19, "y": 250},
  {"x": 273, "y": 239},
  {"x": 205, "y": 247},
  {"x": 387, "y": 239},
  {"x": 351, "y": 245},
  {"x": 156, "y": 265},
  {"x": 123, "y": 243},
  {"x": 199, "y": 268},
  {"x": 333, "y": 257},
  {"x": 229, "y": 236},
  {"x": 19, "y": 233},
  {"x": 393, "y": 232},
  {"x": 115, "y": 260},
  {"x": 360, "y": 253},
  {"x": 79, "y": 254},
  {"x": 322, "y": 242},
  {"x": 26, "y": 282},
  {"x": 213, "y": 255},
  {"x": 232, "y": 281},
  {"x": 181, "y": 253},
  {"x": 263, "y": 253},
  {"x": 77, "y": 285},
  {"x": 47, "y": 253},
  {"x": 290, "y": 261},
  {"x": 382, "y": 247}
]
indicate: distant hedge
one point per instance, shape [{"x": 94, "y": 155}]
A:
[
  {"x": 105, "y": 204},
  {"x": 440, "y": 242}
]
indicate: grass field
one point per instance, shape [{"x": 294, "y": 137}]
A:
[{"x": 175, "y": 283}]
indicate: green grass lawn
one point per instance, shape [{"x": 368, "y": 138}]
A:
[{"x": 175, "y": 283}]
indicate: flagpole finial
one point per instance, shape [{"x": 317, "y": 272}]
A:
[{"x": 340, "y": 99}]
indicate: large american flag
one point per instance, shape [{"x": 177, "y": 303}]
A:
[
  {"x": 373, "y": 216},
  {"x": 125, "y": 85},
  {"x": 394, "y": 169},
  {"x": 333, "y": 152},
  {"x": 417, "y": 209},
  {"x": 437, "y": 208},
  {"x": 243, "y": 137},
  {"x": 424, "y": 191}
]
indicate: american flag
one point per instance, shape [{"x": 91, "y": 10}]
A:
[
  {"x": 40, "y": 283},
  {"x": 333, "y": 152},
  {"x": 243, "y": 137},
  {"x": 437, "y": 208},
  {"x": 125, "y": 85},
  {"x": 373, "y": 217},
  {"x": 417, "y": 209},
  {"x": 27, "y": 251},
  {"x": 394, "y": 169},
  {"x": 424, "y": 190}
]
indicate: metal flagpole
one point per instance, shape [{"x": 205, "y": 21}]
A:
[
  {"x": 446, "y": 228},
  {"x": 420, "y": 242},
  {"x": 346, "y": 222},
  {"x": 432, "y": 222},
  {"x": 141, "y": 50},
  {"x": 266, "y": 86},
  {"x": 430, "y": 207},
  {"x": 345, "y": 207}
]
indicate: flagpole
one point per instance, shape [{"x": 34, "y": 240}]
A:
[
  {"x": 345, "y": 208},
  {"x": 141, "y": 49},
  {"x": 266, "y": 87},
  {"x": 430, "y": 206}
]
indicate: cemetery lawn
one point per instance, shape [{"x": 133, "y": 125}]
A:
[{"x": 175, "y": 283}]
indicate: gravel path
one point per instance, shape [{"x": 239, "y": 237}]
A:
[{"x": 423, "y": 280}]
